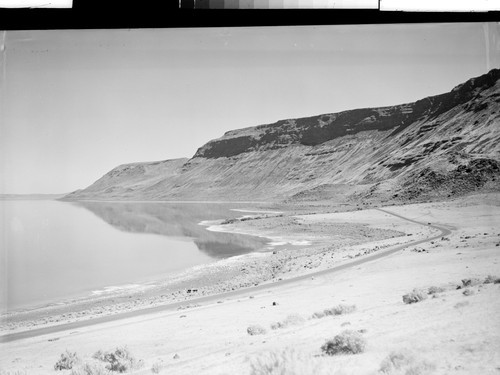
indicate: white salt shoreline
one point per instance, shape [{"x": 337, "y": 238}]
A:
[{"x": 207, "y": 279}]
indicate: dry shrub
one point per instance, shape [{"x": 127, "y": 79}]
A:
[
  {"x": 435, "y": 290},
  {"x": 67, "y": 361},
  {"x": 470, "y": 282},
  {"x": 290, "y": 362},
  {"x": 256, "y": 330},
  {"x": 490, "y": 279},
  {"x": 119, "y": 360},
  {"x": 291, "y": 320},
  {"x": 318, "y": 315},
  {"x": 347, "y": 342},
  {"x": 90, "y": 369},
  {"x": 337, "y": 310},
  {"x": 414, "y": 297},
  {"x": 341, "y": 310},
  {"x": 405, "y": 363}
]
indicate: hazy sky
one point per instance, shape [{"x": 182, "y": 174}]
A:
[{"x": 76, "y": 103}]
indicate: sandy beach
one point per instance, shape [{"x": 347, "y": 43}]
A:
[{"x": 451, "y": 331}]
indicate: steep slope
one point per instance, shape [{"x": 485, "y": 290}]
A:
[
  {"x": 362, "y": 152},
  {"x": 127, "y": 179}
]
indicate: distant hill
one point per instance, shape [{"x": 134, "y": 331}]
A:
[{"x": 442, "y": 145}]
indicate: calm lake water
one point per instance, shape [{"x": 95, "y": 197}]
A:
[{"x": 52, "y": 250}]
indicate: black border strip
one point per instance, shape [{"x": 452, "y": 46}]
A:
[{"x": 123, "y": 14}]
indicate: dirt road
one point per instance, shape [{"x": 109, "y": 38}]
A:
[{"x": 214, "y": 298}]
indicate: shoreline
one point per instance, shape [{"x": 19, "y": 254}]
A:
[
  {"x": 238, "y": 292},
  {"x": 212, "y": 279},
  {"x": 134, "y": 286},
  {"x": 210, "y": 334}
]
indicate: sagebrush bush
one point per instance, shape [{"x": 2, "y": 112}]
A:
[
  {"x": 435, "y": 290},
  {"x": 395, "y": 361},
  {"x": 291, "y": 320},
  {"x": 490, "y": 279},
  {"x": 119, "y": 360},
  {"x": 347, "y": 342},
  {"x": 404, "y": 362},
  {"x": 289, "y": 362},
  {"x": 90, "y": 369},
  {"x": 337, "y": 310},
  {"x": 318, "y": 315},
  {"x": 67, "y": 361},
  {"x": 256, "y": 330},
  {"x": 340, "y": 310},
  {"x": 414, "y": 297}
]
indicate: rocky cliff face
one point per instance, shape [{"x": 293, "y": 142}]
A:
[{"x": 360, "y": 153}]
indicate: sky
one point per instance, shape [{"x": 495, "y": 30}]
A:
[{"x": 76, "y": 103}]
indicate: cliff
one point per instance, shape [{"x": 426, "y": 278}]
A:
[{"x": 361, "y": 153}]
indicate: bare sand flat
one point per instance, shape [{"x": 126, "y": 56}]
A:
[{"x": 448, "y": 332}]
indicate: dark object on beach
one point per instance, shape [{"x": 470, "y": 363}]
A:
[
  {"x": 275, "y": 303},
  {"x": 471, "y": 282},
  {"x": 176, "y": 356},
  {"x": 468, "y": 292}
]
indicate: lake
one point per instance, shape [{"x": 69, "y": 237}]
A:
[{"x": 54, "y": 250}]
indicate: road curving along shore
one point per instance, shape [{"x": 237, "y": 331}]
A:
[{"x": 215, "y": 297}]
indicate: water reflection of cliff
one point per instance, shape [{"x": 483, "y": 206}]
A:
[{"x": 178, "y": 220}]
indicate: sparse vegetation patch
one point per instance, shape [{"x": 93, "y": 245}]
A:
[
  {"x": 347, "y": 342},
  {"x": 291, "y": 320},
  {"x": 289, "y": 362},
  {"x": 119, "y": 360},
  {"x": 403, "y": 362},
  {"x": 470, "y": 282},
  {"x": 67, "y": 361},
  {"x": 90, "y": 369},
  {"x": 414, "y": 297},
  {"x": 337, "y": 310},
  {"x": 256, "y": 330},
  {"x": 490, "y": 279},
  {"x": 435, "y": 290}
]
